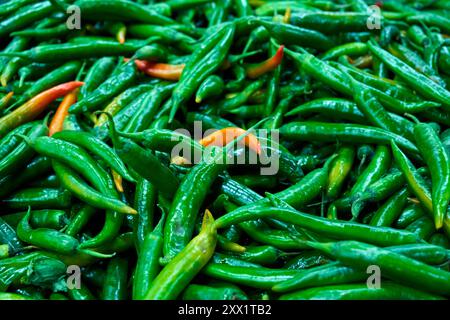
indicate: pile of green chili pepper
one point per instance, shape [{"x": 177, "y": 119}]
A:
[{"x": 349, "y": 99}]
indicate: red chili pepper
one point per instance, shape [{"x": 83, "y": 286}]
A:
[
  {"x": 61, "y": 113},
  {"x": 256, "y": 70},
  {"x": 160, "y": 70},
  {"x": 224, "y": 136},
  {"x": 35, "y": 106}
]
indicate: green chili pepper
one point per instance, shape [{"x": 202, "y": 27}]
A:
[
  {"x": 202, "y": 292},
  {"x": 97, "y": 147},
  {"x": 349, "y": 133},
  {"x": 83, "y": 293},
  {"x": 394, "y": 265},
  {"x": 119, "y": 80},
  {"x": 166, "y": 35},
  {"x": 48, "y": 218},
  {"x": 75, "y": 184},
  {"x": 360, "y": 291},
  {"x": 211, "y": 87},
  {"x": 202, "y": 64},
  {"x": 413, "y": 179},
  {"x": 377, "y": 167},
  {"x": 423, "y": 227},
  {"x": 390, "y": 210},
  {"x": 189, "y": 197},
  {"x": 419, "y": 82},
  {"x": 24, "y": 16},
  {"x": 339, "y": 170},
  {"x": 38, "y": 198},
  {"x": 290, "y": 34},
  {"x": 147, "y": 266},
  {"x": 153, "y": 100},
  {"x": 22, "y": 153},
  {"x": 436, "y": 158},
  {"x": 122, "y": 10},
  {"x": 115, "y": 284},
  {"x": 98, "y": 73},
  {"x": 377, "y": 235},
  {"x": 144, "y": 162},
  {"x": 260, "y": 277},
  {"x": 38, "y": 167},
  {"x": 48, "y": 239},
  {"x": 176, "y": 275}
]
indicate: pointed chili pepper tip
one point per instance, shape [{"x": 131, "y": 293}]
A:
[
  {"x": 95, "y": 253},
  {"x": 25, "y": 138},
  {"x": 268, "y": 65},
  {"x": 208, "y": 220},
  {"x": 130, "y": 210}
]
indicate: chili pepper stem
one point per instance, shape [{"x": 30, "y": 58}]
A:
[{"x": 96, "y": 254}]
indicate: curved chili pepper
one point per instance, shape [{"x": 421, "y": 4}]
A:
[
  {"x": 147, "y": 266},
  {"x": 358, "y": 291},
  {"x": 349, "y": 133},
  {"x": 35, "y": 106},
  {"x": 436, "y": 158},
  {"x": 339, "y": 170},
  {"x": 202, "y": 64},
  {"x": 416, "y": 80},
  {"x": 72, "y": 182},
  {"x": 97, "y": 147},
  {"x": 56, "y": 124},
  {"x": 143, "y": 162},
  {"x": 46, "y": 238},
  {"x": 97, "y": 74},
  {"x": 411, "y": 272},
  {"x": 176, "y": 275},
  {"x": 212, "y": 86},
  {"x": 119, "y": 80},
  {"x": 160, "y": 70},
  {"x": 413, "y": 179},
  {"x": 257, "y": 70},
  {"x": 25, "y": 16}
]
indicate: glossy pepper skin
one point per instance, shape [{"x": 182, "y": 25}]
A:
[
  {"x": 357, "y": 291},
  {"x": 405, "y": 270},
  {"x": 46, "y": 238},
  {"x": 147, "y": 267},
  {"x": 189, "y": 197},
  {"x": 202, "y": 64},
  {"x": 376, "y": 235},
  {"x": 437, "y": 159},
  {"x": 119, "y": 80},
  {"x": 25, "y": 15},
  {"x": 176, "y": 275},
  {"x": 144, "y": 162}
]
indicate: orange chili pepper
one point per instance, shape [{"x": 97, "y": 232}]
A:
[
  {"x": 33, "y": 107},
  {"x": 160, "y": 70},
  {"x": 57, "y": 122},
  {"x": 121, "y": 34},
  {"x": 224, "y": 136},
  {"x": 117, "y": 181},
  {"x": 259, "y": 69}
]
